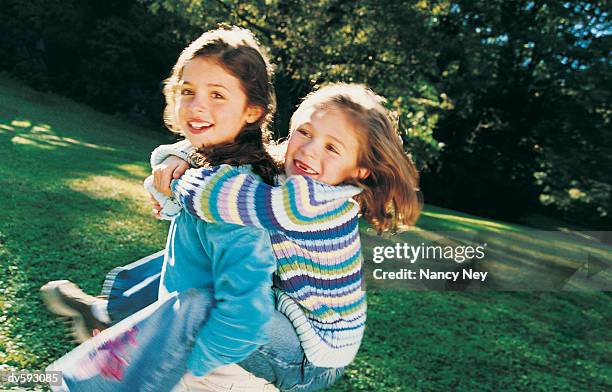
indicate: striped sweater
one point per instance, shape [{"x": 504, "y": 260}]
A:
[{"x": 315, "y": 239}]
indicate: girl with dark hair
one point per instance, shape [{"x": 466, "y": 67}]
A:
[{"x": 343, "y": 146}]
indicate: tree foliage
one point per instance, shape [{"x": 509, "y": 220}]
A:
[
  {"x": 503, "y": 105},
  {"x": 530, "y": 85}
]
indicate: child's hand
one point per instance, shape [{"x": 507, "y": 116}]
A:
[
  {"x": 156, "y": 207},
  {"x": 164, "y": 207},
  {"x": 171, "y": 168}
]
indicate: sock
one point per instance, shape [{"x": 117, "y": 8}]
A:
[{"x": 98, "y": 309}]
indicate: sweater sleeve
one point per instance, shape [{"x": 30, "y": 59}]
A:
[
  {"x": 179, "y": 149},
  {"x": 243, "y": 302},
  {"x": 224, "y": 194}
]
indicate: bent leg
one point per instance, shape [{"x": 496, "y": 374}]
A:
[
  {"x": 282, "y": 361},
  {"x": 147, "y": 351},
  {"x": 132, "y": 287}
]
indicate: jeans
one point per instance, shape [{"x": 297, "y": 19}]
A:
[
  {"x": 148, "y": 347},
  {"x": 282, "y": 361},
  {"x": 147, "y": 351},
  {"x": 133, "y": 287}
]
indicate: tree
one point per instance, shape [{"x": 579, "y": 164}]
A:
[{"x": 530, "y": 86}]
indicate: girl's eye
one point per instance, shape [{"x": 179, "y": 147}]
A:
[
  {"x": 303, "y": 132},
  {"x": 216, "y": 95},
  {"x": 332, "y": 148},
  {"x": 186, "y": 91}
]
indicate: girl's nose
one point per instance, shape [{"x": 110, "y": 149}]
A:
[
  {"x": 199, "y": 105},
  {"x": 310, "y": 149}
]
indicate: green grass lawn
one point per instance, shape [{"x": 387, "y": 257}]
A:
[{"x": 73, "y": 208}]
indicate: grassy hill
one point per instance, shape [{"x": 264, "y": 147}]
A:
[{"x": 72, "y": 207}]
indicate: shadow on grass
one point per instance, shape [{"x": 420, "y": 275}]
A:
[
  {"x": 61, "y": 234},
  {"x": 68, "y": 243},
  {"x": 72, "y": 208},
  {"x": 482, "y": 341}
]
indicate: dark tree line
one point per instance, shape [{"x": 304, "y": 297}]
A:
[{"x": 505, "y": 105}]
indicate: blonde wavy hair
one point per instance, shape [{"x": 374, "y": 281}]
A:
[{"x": 391, "y": 195}]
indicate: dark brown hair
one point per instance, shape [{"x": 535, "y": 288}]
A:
[
  {"x": 237, "y": 51},
  {"x": 391, "y": 194}
]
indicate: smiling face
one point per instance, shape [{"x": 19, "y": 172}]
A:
[
  {"x": 324, "y": 145},
  {"x": 211, "y": 106}
]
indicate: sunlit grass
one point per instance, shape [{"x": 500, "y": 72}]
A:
[
  {"x": 109, "y": 187},
  {"x": 471, "y": 222},
  {"x": 21, "y": 123},
  {"x": 72, "y": 208}
]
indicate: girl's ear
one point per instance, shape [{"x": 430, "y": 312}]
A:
[
  {"x": 253, "y": 113},
  {"x": 363, "y": 173}
]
